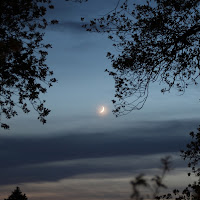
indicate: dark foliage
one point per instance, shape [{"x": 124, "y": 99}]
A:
[
  {"x": 158, "y": 41},
  {"x": 24, "y": 74},
  {"x": 17, "y": 195},
  {"x": 192, "y": 153},
  {"x": 191, "y": 192},
  {"x": 153, "y": 185}
]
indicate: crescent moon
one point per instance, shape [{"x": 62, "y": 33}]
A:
[{"x": 102, "y": 110}]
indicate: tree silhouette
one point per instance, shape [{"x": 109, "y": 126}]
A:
[
  {"x": 190, "y": 192},
  {"x": 156, "y": 41},
  {"x": 192, "y": 153},
  {"x": 24, "y": 74},
  {"x": 17, "y": 195}
]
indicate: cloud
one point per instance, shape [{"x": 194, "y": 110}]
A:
[
  {"x": 104, "y": 185},
  {"x": 34, "y": 150},
  {"x": 33, "y": 159},
  {"x": 92, "y": 168}
]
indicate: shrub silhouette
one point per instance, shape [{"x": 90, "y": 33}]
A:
[
  {"x": 190, "y": 192},
  {"x": 152, "y": 185}
]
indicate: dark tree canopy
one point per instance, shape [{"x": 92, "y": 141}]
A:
[
  {"x": 23, "y": 71},
  {"x": 158, "y": 41},
  {"x": 17, "y": 195}
]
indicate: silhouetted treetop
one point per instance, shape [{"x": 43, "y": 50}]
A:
[
  {"x": 17, "y": 195},
  {"x": 157, "y": 41},
  {"x": 24, "y": 74}
]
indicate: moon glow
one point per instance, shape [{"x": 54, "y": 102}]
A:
[{"x": 102, "y": 109}]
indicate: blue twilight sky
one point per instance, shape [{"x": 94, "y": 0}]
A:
[{"x": 79, "y": 154}]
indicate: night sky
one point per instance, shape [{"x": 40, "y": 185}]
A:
[{"x": 80, "y": 154}]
